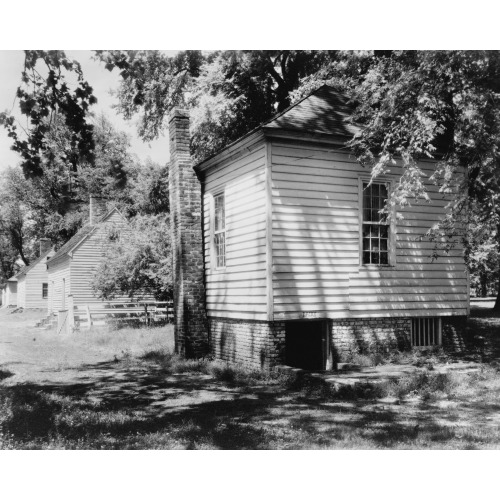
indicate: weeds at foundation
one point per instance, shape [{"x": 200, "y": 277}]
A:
[{"x": 421, "y": 358}]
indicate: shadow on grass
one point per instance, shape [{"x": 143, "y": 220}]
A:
[
  {"x": 163, "y": 402},
  {"x": 118, "y": 406},
  {"x": 5, "y": 374}
]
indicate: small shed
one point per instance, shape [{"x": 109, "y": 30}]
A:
[
  {"x": 298, "y": 265},
  {"x": 32, "y": 280}
]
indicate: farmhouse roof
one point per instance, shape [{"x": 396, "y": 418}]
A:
[
  {"x": 326, "y": 111},
  {"x": 80, "y": 236},
  {"x": 25, "y": 270}
]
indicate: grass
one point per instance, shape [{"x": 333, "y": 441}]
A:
[
  {"x": 264, "y": 410},
  {"x": 127, "y": 341},
  {"x": 146, "y": 397}
]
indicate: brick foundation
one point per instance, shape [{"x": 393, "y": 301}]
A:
[
  {"x": 454, "y": 333},
  {"x": 369, "y": 335},
  {"x": 261, "y": 344},
  {"x": 256, "y": 344}
]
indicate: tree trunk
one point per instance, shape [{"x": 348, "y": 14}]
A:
[
  {"x": 496, "y": 307},
  {"x": 483, "y": 280}
]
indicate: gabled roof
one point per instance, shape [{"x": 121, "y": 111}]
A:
[
  {"x": 326, "y": 111},
  {"x": 82, "y": 235},
  {"x": 25, "y": 270},
  {"x": 74, "y": 241}
]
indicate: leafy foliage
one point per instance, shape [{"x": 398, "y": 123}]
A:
[
  {"x": 45, "y": 95},
  {"x": 138, "y": 262},
  {"x": 413, "y": 105},
  {"x": 15, "y": 229},
  {"x": 55, "y": 204},
  {"x": 229, "y": 92}
]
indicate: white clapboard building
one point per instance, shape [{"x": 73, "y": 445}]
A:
[{"x": 297, "y": 263}]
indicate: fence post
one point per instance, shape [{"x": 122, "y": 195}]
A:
[
  {"x": 89, "y": 316},
  {"x": 71, "y": 314}
]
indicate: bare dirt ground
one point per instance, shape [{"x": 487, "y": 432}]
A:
[{"x": 120, "y": 389}]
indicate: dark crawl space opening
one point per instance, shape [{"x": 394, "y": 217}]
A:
[{"x": 306, "y": 344}]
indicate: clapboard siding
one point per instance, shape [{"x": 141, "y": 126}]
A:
[
  {"x": 316, "y": 247},
  {"x": 32, "y": 283},
  {"x": 21, "y": 291},
  {"x": 78, "y": 266},
  {"x": 84, "y": 261},
  {"x": 59, "y": 283},
  {"x": 239, "y": 290}
]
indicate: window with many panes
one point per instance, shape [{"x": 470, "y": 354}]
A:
[
  {"x": 375, "y": 230},
  {"x": 45, "y": 290},
  {"x": 220, "y": 230}
]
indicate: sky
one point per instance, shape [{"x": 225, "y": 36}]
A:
[{"x": 101, "y": 80}]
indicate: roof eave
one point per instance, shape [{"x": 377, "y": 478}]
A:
[
  {"x": 228, "y": 151},
  {"x": 282, "y": 133}
]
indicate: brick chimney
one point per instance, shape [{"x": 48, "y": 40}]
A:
[
  {"x": 45, "y": 245},
  {"x": 191, "y": 329},
  {"x": 97, "y": 209}
]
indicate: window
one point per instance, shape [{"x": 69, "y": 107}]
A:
[
  {"x": 45, "y": 290},
  {"x": 220, "y": 230},
  {"x": 375, "y": 230},
  {"x": 425, "y": 332}
]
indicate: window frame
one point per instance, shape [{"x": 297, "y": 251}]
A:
[
  {"x": 391, "y": 227},
  {"x": 45, "y": 288},
  {"x": 214, "y": 233}
]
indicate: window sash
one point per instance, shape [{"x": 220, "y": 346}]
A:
[
  {"x": 220, "y": 230},
  {"x": 45, "y": 290},
  {"x": 375, "y": 233}
]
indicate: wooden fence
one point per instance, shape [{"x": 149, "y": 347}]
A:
[{"x": 146, "y": 312}]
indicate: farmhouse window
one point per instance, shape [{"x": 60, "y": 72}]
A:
[
  {"x": 220, "y": 230},
  {"x": 375, "y": 230},
  {"x": 45, "y": 290},
  {"x": 425, "y": 332}
]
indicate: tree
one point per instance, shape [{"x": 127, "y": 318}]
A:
[
  {"x": 138, "y": 262},
  {"x": 45, "y": 95},
  {"x": 229, "y": 92},
  {"x": 146, "y": 192},
  {"x": 436, "y": 104},
  {"x": 430, "y": 104},
  {"x": 8, "y": 258},
  {"x": 68, "y": 154},
  {"x": 56, "y": 202},
  {"x": 15, "y": 227}
]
